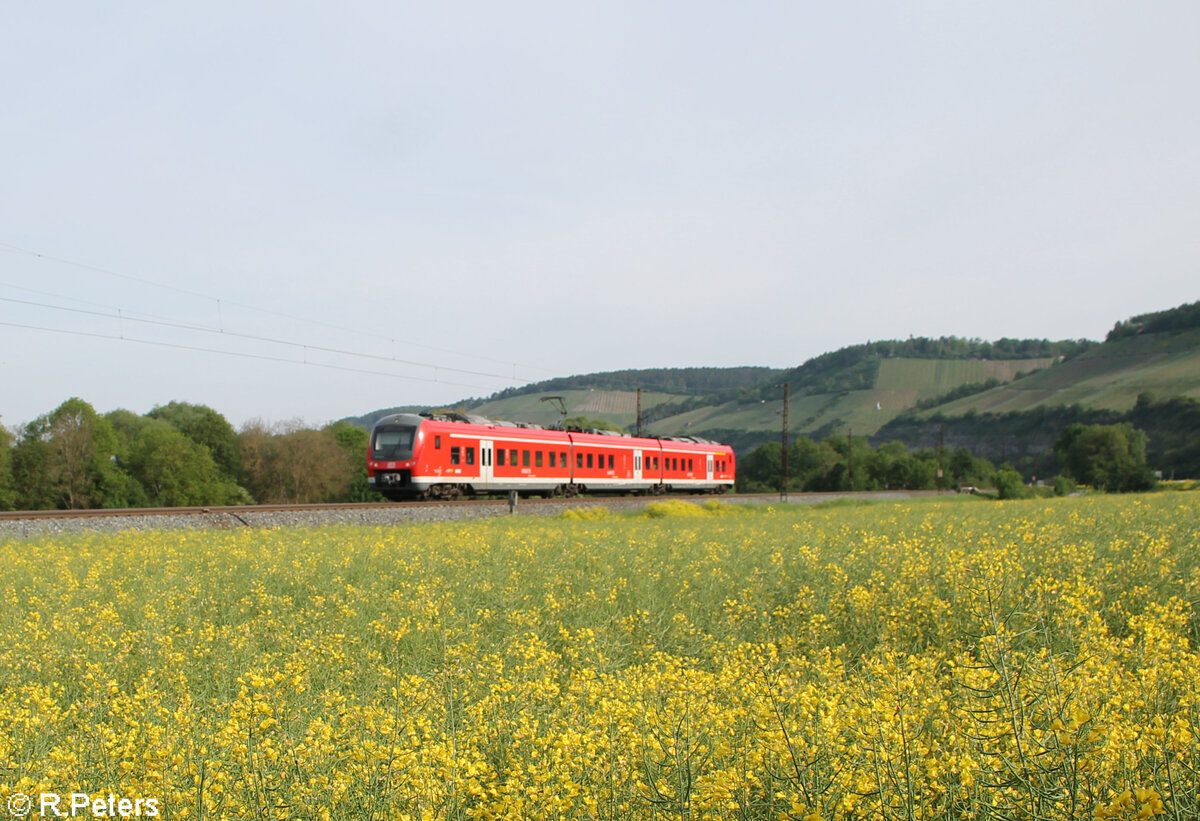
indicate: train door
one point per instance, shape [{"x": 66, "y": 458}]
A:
[
  {"x": 637, "y": 466},
  {"x": 485, "y": 463},
  {"x": 708, "y": 470}
]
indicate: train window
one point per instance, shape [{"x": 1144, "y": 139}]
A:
[
  {"x": 470, "y": 455},
  {"x": 525, "y": 458},
  {"x": 610, "y": 461},
  {"x": 589, "y": 460},
  {"x": 552, "y": 455},
  {"x": 512, "y": 458},
  {"x": 537, "y": 458},
  {"x": 455, "y": 455},
  {"x": 437, "y": 443},
  {"x": 563, "y": 454},
  {"x": 578, "y": 460},
  {"x": 393, "y": 442},
  {"x": 500, "y": 457},
  {"x": 690, "y": 463}
]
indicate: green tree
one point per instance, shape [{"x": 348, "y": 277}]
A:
[
  {"x": 353, "y": 441},
  {"x": 7, "y": 497},
  {"x": 845, "y": 462},
  {"x": 176, "y": 471},
  {"x": 760, "y": 470},
  {"x": 127, "y": 426},
  {"x": 32, "y": 487},
  {"x": 1010, "y": 485},
  {"x": 585, "y": 423},
  {"x": 806, "y": 460},
  {"x": 965, "y": 469},
  {"x": 67, "y": 459},
  {"x": 1107, "y": 457},
  {"x": 206, "y": 427},
  {"x": 888, "y": 466}
]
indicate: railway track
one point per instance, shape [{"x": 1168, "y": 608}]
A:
[
  {"x": 235, "y": 510},
  {"x": 524, "y": 504}
]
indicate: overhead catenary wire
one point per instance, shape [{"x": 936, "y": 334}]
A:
[
  {"x": 219, "y": 301},
  {"x": 122, "y": 318},
  {"x": 241, "y": 354}
]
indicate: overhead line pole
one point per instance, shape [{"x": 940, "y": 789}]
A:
[{"x": 783, "y": 487}]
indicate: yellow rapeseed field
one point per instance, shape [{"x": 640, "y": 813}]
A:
[{"x": 955, "y": 659}]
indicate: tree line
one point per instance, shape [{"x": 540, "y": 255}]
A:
[
  {"x": 1027, "y": 439},
  {"x": 849, "y": 463},
  {"x": 178, "y": 454},
  {"x": 1182, "y": 318},
  {"x": 1110, "y": 458},
  {"x": 681, "y": 381}
]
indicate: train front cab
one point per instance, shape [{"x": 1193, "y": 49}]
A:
[{"x": 392, "y": 454}]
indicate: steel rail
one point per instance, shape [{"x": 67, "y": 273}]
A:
[{"x": 765, "y": 498}]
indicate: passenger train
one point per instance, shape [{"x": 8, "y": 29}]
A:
[{"x": 445, "y": 456}]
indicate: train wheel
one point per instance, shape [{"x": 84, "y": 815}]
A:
[{"x": 442, "y": 492}]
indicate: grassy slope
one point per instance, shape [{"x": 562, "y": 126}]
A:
[
  {"x": 618, "y": 407},
  {"x": 900, "y": 385},
  {"x": 1109, "y": 376}
]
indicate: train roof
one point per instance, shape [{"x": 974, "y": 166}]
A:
[{"x": 475, "y": 419}]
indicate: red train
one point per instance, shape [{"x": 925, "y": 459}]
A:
[{"x": 446, "y": 456}]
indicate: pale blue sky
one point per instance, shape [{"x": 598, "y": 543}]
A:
[{"x": 516, "y": 191}]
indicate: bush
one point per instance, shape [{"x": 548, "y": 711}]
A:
[
  {"x": 1010, "y": 485},
  {"x": 1064, "y": 486}
]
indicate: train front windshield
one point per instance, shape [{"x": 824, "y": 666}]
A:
[{"x": 393, "y": 443}]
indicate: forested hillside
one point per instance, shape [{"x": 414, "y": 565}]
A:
[{"x": 1185, "y": 317}]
